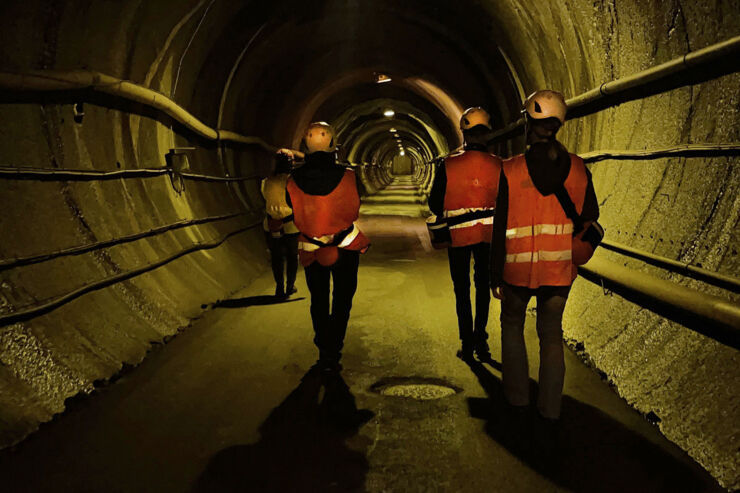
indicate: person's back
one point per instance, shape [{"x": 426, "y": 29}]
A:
[
  {"x": 280, "y": 231},
  {"x": 326, "y": 204},
  {"x": 472, "y": 186},
  {"x": 464, "y": 192},
  {"x": 533, "y": 249}
]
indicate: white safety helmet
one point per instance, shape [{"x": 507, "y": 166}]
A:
[
  {"x": 546, "y": 104},
  {"x": 320, "y": 136},
  {"x": 475, "y": 116}
]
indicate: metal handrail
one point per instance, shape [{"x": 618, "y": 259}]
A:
[
  {"x": 679, "y": 150},
  {"x": 66, "y": 174},
  {"x": 684, "y": 150},
  {"x": 683, "y": 268},
  {"x": 11, "y": 263},
  {"x": 709, "y": 315},
  {"x": 577, "y": 106},
  {"x": 88, "y": 80},
  {"x": 53, "y": 304}
]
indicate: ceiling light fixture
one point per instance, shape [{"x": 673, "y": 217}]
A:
[
  {"x": 389, "y": 113},
  {"x": 381, "y": 78}
]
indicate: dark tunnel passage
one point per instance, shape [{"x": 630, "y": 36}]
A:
[{"x": 133, "y": 138}]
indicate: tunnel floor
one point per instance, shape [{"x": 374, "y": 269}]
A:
[
  {"x": 231, "y": 405},
  {"x": 400, "y": 198}
]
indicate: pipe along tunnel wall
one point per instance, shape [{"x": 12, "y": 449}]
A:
[{"x": 245, "y": 68}]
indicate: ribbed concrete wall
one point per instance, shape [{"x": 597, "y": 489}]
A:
[
  {"x": 56, "y": 356},
  {"x": 685, "y": 209}
]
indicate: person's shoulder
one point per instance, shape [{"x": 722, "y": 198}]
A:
[
  {"x": 455, "y": 154},
  {"x": 513, "y": 160},
  {"x": 576, "y": 159},
  {"x": 494, "y": 158}
]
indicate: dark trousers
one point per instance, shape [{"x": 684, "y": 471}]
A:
[
  {"x": 330, "y": 327},
  {"x": 471, "y": 334},
  {"x": 283, "y": 252},
  {"x": 550, "y": 305}
]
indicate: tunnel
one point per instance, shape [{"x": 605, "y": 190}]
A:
[{"x": 139, "y": 348}]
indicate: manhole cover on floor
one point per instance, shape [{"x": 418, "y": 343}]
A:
[{"x": 418, "y": 388}]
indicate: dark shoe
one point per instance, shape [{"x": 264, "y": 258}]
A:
[
  {"x": 483, "y": 353},
  {"x": 279, "y": 293},
  {"x": 517, "y": 429},
  {"x": 545, "y": 442},
  {"x": 466, "y": 354},
  {"x": 290, "y": 290}
]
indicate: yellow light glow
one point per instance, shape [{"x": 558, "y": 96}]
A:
[{"x": 381, "y": 78}]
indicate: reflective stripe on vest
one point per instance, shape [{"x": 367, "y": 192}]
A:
[
  {"x": 327, "y": 240},
  {"x": 321, "y": 218},
  {"x": 473, "y": 222},
  {"x": 540, "y": 229},
  {"x": 539, "y": 237},
  {"x": 544, "y": 255},
  {"x": 472, "y": 186}
]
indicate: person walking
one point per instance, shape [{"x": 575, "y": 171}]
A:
[
  {"x": 464, "y": 192},
  {"x": 280, "y": 230},
  {"x": 532, "y": 250},
  {"x": 326, "y": 204}
]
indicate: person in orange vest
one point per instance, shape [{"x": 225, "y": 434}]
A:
[
  {"x": 532, "y": 252},
  {"x": 326, "y": 204},
  {"x": 464, "y": 192},
  {"x": 280, "y": 230}
]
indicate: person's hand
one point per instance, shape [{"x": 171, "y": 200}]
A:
[
  {"x": 283, "y": 152},
  {"x": 498, "y": 292}
]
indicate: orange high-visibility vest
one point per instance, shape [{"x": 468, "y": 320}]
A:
[
  {"x": 472, "y": 185},
  {"x": 277, "y": 209},
  {"x": 539, "y": 236},
  {"x": 320, "y": 218}
]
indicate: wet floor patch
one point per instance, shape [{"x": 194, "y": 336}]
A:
[{"x": 417, "y": 388}]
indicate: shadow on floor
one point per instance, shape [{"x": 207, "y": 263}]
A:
[
  {"x": 302, "y": 445},
  {"x": 251, "y": 301},
  {"x": 587, "y": 451}
]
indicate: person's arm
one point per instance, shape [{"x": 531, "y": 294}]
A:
[
  {"x": 590, "y": 211},
  {"x": 439, "y": 188},
  {"x": 498, "y": 239}
]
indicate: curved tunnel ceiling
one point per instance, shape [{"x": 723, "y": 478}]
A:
[
  {"x": 266, "y": 69},
  {"x": 302, "y": 66}
]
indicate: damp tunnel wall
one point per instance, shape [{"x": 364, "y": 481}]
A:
[
  {"x": 71, "y": 349},
  {"x": 243, "y": 66},
  {"x": 685, "y": 209}
]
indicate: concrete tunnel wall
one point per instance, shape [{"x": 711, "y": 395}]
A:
[{"x": 682, "y": 208}]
